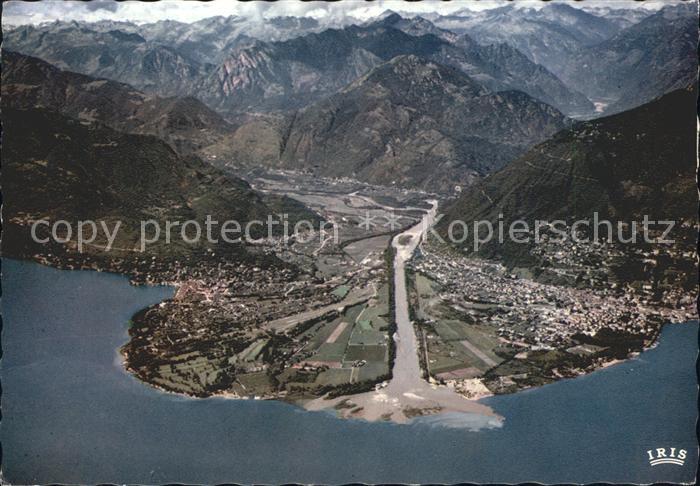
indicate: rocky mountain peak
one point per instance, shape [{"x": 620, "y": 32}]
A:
[
  {"x": 392, "y": 18},
  {"x": 417, "y": 79}
]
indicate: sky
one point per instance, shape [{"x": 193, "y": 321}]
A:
[{"x": 17, "y": 12}]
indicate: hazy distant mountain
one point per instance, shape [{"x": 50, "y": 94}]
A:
[
  {"x": 413, "y": 122},
  {"x": 219, "y": 61},
  {"x": 263, "y": 77},
  {"x": 623, "y": 166},
  {"x": 206, "y": 41},
  {"x": 558, "y": 54},
  {"x": 633, "y": 55},
  {"x": 509, "y": 68},
  {"x": 115, "y": 54},
  {"x": 415, "y": 26},
  {"x": 293, "y": 73},
  {"x": 212, "y": 39},
  {"x": 186, "y": 123},
  {"x": 497, "y": 66},
  {"x": 621, "y": 17},
  {"x": 653, "y": 57},
  {"x": 549, "y": 36}
]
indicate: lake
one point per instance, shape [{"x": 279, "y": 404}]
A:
[{"x": 71, "y": 414}]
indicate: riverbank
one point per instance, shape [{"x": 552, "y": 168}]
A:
[{"x": 407, "y": 395}]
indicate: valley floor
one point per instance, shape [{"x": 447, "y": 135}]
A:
[{"x": 375, "y": 321}]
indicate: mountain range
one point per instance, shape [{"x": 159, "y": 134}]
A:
[
  {"x": 413, "y": 122},
  {"x": 615, "y": 57},
  {"x": 636, "y": 163},
  {"x": 555, "y": 54},
  {"x": 621, "y": 17},
  {"x": 254, "y": 75},
  {"x": 78, "y": 170},
  {"x": 499, "y": 66},
  {"x": 549, "y": 36},
  {"x": 432, "y": 102},
  {"x": 293, "y": 73},
  {"x": 115, "y": 54},
  {"x": 186, "y": 123},
  {"x": 387, "y": 127},
  {"x": 633, "y": 67},
  {"x": 209, "y": 40}
]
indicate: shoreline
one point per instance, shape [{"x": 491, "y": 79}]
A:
[
  {"x": 374, "y": 402},
  {"x": 217, "y": 424},
  {"x": 368, "y": 401}
]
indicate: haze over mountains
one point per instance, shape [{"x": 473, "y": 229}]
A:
[
  {"x": 269, "y": 62},
  {"x": 115, "y": 54},
  {"x": 290, "y": 74},
  {"x": 608, "y": 54},
  {"x": 475, "y": 91},
  {"x": 548, "y": 36},
  {"x": 634, "y": 66}
]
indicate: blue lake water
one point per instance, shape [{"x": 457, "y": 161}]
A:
[{"x": 70, "y": 414}]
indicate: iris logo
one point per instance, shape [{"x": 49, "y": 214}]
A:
[{"x": 664, "y": 455}]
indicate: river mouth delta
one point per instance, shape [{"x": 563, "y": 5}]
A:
[
  {"x": 377, "y": 322},
  {"x": 382, "y": 322},
  {"x": 380, "y": 242},
  {"x": 357, "y": 354},
  {"x": 73, "y": 415},
  {"x": 407, "y": 394}
]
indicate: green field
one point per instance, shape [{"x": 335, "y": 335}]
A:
[
  {"x": 319, "y": 333},
  {"x": 256, "y": 383},
  {"x": 375, "y": 315},
  {"x": 341, "y": 291},
  {"x": 330, "y": 352},
  {"x": 252, "y": 352},
  {"x": 368, "y": 338},
  {"x": 426, "y": 294},
  {"x": 361, "y": 339},
  {"x": 372, "y": 371},
  {"x": 449, "y": 330},
  {"x": 334, "y": 376},
  {"x": 460, "y": 344},
  {"x": 354, "y": 311},
  {"x": 424, "y": 286},
  {"x": 368, "y": 353}
]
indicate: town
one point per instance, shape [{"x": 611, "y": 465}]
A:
[{"x": 514, "y": 328}]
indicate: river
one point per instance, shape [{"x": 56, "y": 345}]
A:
[
  {"x": 407, "y": 372},
  {"x": 72, "y": 415},
  {"x": 408, "y": 394}
]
